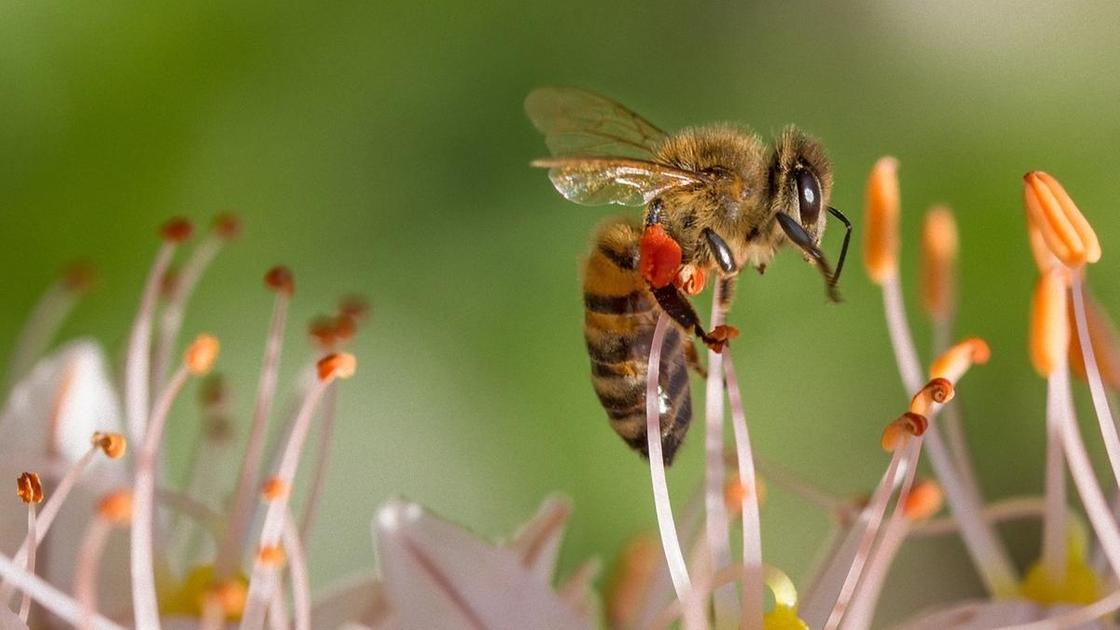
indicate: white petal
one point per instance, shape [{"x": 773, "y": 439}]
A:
[
  {"x": 9, "y": 620},
  {"x": 59, "y": 405},
  {"x": 537, "y": 543},
  {"x": 359, "y": 601},
  {"x": 438, "y": 575}
]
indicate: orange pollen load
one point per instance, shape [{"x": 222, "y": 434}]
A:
[
  {"x": 231, "y": 596},
  {"x": 337, "y": 365},
  {"x": 659, "y": 256},
  {"x": 227, "y": 225},
  {"x": 274, "y": 488},
  {"x": 29, "y": 488},
  {"x": 880, "y": 244},
  {"x": 271, "y": 555},
  {"x": 954, "y": 362},
  {"x": 177, "y": 230},
  {"x": 114, "y": 445},
  {"x": 907, "y": 425},
  {"x": 1050, "y": 328},
  {"x": 281, "y": 280},
  {"x": 925, "y": 500},
  {"x": 1063, "y": 228},
  {"x": 201, "y": 355},
  {"x": 116, "y": 507}
]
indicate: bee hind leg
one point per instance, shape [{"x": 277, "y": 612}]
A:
[{"x": 678, "y": 307}]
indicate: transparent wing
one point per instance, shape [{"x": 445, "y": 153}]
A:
[
  {"x": 626, "y": 182},
  {"x": 577, "y": 122}
]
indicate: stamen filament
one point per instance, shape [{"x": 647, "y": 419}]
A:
[
  {"x": 137, "y": 358},
  {"x": 322, "y": 459},
  {"x": 231, "y": 550},
  {"x": 85, "y": 572},
  {"x": 1092, "y": 372},
  {"x": 1075, "y": 618},
  {"x": 669, "y": 541},
  {"x": 50, "y": 597},
  {"x": 297, "y": 562},
  {"x": 716, "y": 523},
  {"x": 1054, "y": 517},
  {"x": 144, "y": 601},
  {"x": 1006, "y": 510},
  {"x": 25, "y": 604},
  {"x": 46, "y": 318},
  {"x": 752, "y": 596},
  {"x": 263, "y": 577}
]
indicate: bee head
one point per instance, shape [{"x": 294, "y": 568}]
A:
[{"x": 800, "y": 180}]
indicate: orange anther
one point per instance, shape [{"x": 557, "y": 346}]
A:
[
  {"x": 939, "y": 256},
  {"x": 79, "y": 277},
  {"x": 201, "y": 355},
  {"x": 29, "y": 488},
  {"x": 116, "y": 507},
  {"x": 274, "y": 488},
  {"x": 1062, "y": 226},
  {"x": 281, "y": 280},
  {"x": 880, "y": 244},
  {"x": 1050, "y": 328},
  {"x": 954, "y": 362},
  {"x": 925, "y": 499},
  {"x": 337, "y": 365},
  {"x": 272, "y": 556},
  {"x": 227, "y": 225},
  {"x": 907, "y": 425},
  {"x": 231, "y": 596},
  {"x": 177, "y": 230},
  {"x": 937, "y": 390},
  {"x": 114, "y": 445},
  {"x": 659, "y": 256}
]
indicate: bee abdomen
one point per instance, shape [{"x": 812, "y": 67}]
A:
[{"x": 620, "y": 316}]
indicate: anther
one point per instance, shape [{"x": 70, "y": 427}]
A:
[
  {"x": 29, "y": 488},
  {"x": 355, "y": 307},
  {"x": 201, "y": 354},
  {"x": 907, "y": 425},
  {"x": 271, "y": 555},
  {"x": 219, "y": 430},
  {"x": 280, "y": 279},
  {"x": 169, "y": 282},
  {"x": 213, "y": 392},
  {"x": 954, "y": 362},
  {"x": 880, "y": 245},
  {"x": 337, "y": 365},
  {"x": 227, "y": 225},
  {"x": 939, "y": 255},
  {"x": 924, "y": 500},
  {"x": 345, "y": 328},
  {"x": 79, "y": 277},
  {"x": 1063, "y": 228},
  {"x": 735, "y": 492},
  {"x": 231, "y": 596},
  {"x": 114, "y": 445},
  {"x": 323, "y": 331},
  {"x": 274, "y": 488},
  {"x": 938, "y": 390},
  {"x": 116, "y": 507},
  {"x": 1050, "y": 330},
  {"x": 177, "y": 230}
]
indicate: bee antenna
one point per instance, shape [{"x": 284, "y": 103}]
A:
[
  {"x": 843, "y": 248},
  {"x": 801, "y": 238}
]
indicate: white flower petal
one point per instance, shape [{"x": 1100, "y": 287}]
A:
[
  {"x": 61, "y": 403},
  {"x": 359, "y": 600},
  {"x": 438, "y": 575},
  {"x": 10, "y": 621},
  {"x": 537, "y": 543},
  {"x": 987, "y": 614}
]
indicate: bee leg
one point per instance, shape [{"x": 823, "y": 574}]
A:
[
  {"x": 692, "y": 359},
  {"x": 678, "y": 307},
  {"x": 799, "y": 237}
]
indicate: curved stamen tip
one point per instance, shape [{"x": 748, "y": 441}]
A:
[
  {"x": 1063, "y": 228},
  {"x": 1050, "y": 330},
  {"x": 924, "y": 500},
  {"x": 880, "y": 244},
  {"x": 116, "y": 507},
  {"x": 337, "y": 365},
  {"x": 201, "y": 355},
  {"x": 227, "y": 225},
  {"x": 274, "y": 488},
  {"x": 80, "y": 276},
  {"x": 177, "y": 230},
  {"x": 114, "y": 445},
  {"x": 907, "y": 425},
  {"x": 271, "y": 555},
  {"x": 230, "y": 596},
  {"x": 938, "y": 390},
  {"x": 29, "y": 488},
  {"x": 954, "y": 362},
  {"x": 355, "y": 307},
  {"x": 281, "y": 280},
  {"x": 323, "y": 331}
]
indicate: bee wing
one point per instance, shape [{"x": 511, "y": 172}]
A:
[
  {"x": 622, "y": 181},
  {"x": 577, "y": 122}
]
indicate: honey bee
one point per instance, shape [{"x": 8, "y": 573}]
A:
[{"x": 716, "y": 199}]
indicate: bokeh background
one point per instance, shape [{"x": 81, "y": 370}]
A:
[{"x": 382, "y": 148}]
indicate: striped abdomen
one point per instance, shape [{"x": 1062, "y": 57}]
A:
[{"x": 620, "y": 315}]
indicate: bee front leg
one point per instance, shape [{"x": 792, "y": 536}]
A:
[{"x": 680, "y": 309}]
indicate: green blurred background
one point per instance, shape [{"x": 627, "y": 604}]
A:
[{"x": 382, "y": 148}]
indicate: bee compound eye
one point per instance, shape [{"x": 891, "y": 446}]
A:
[{"x": 808, "y": 196}]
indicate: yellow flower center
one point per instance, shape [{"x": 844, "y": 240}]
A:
[{"x": 189, "y": 597}]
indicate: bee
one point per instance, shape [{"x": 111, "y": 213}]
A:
[{"x": 717, "y": 200}]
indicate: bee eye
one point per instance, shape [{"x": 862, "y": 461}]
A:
[{"x": 808, "y": 197}]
